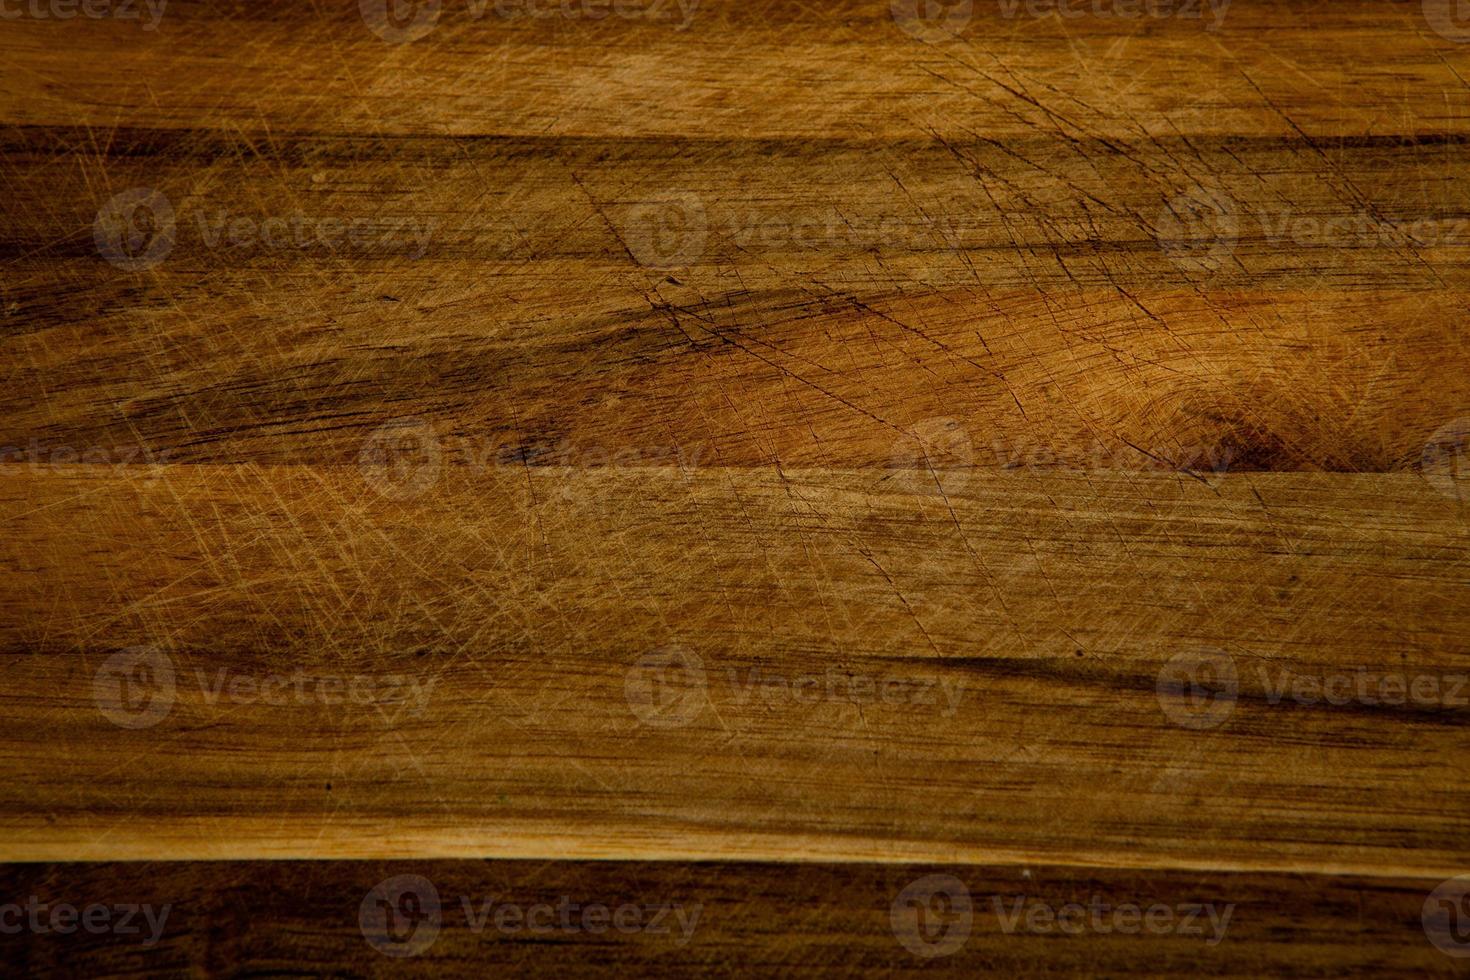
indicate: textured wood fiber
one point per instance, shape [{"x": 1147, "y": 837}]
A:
[
  {"x": 272, "y": 918},
  {"x": 1042, "y": 372},
  {"x": 1049, "y": 603}
]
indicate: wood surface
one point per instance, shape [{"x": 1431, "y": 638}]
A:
[
  {"x": 1047, "y": 604},
  {"x": 1034, "y": 372},
  {"x": 302, "y": 919}
]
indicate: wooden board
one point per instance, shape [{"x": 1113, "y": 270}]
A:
[
  {"x": 743, "y": 432},
  {"x": 832, "y": 920},
  {"x": 1028, "y": 623}
]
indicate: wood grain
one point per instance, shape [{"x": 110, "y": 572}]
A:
[
  {"x": 1047, "y": 604},
  {"x": 753, "y": 69},
  {"x": 289, "y": 917},
  {"x": 744, "y": 432},
  {"x": 817, "y": 322},
  {"x": 968, "y": 231}
]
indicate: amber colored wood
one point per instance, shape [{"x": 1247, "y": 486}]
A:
[
  {"x": 1041, "y": 372},
  {"x": 1050, "y": 604}
]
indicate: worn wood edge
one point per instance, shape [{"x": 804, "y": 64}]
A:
[{"x": 674, "y": 848}]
